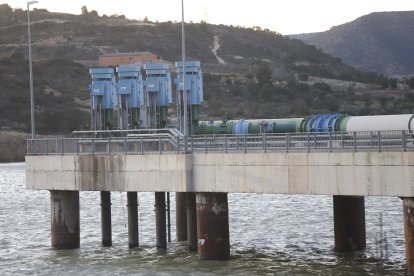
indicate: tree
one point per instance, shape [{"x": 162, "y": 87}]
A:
[
  {"x": 5, "y": 9},
  {"x": 84, "y": 10},
  {"x": 264, "y": 74}
]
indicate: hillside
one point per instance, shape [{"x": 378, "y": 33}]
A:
[
  {"x": 379, "y": 42},
  {"x": 251, "y": 72}
]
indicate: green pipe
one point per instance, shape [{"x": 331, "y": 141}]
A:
[
  {"x": 163, "y": 116},
  {"x": 135, "y": 115},
  {"x": 340, "y": 125},
  {"x": 108, "y": 115}
]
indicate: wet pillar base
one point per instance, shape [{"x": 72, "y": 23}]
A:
[
  {"x": 213, "y": 226},
  {"x": 181, "y": 216},
  {"x": 65, "y": 219},
  {"x": 160, "y": 221},
  {"x": 408, "y": 211},
  {"x": 191, "y": 221},
  {"x": 106, "y": 218},
  {"x": 132, "y": 203},
  {"x": 349, "y": 223}
]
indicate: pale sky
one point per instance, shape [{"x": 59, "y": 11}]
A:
[{"x": 282, "y": 16}]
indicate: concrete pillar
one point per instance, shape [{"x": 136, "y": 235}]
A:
[
  {"x": 106, "y": 218},
  {"x": 160, "y": 221},
  {"x": 181, "y": 216},
  {"x": 191, "y": 221},
  {"x": 408, "y": 211},
  {"x": 65, "y": 219},
  {"x": 213, "y": 226},
  {"x": 132, "y": 202},
  {"x": 349, "y": 223}
]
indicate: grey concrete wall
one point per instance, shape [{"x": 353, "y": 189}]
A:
[{"x": 362, "y": 173}]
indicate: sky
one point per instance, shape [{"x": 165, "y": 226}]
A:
[{"x": 282, "y": 16}]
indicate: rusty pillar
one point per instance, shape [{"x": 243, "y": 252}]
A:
[
  {"x": 106, "y": 218},
  {"x": 349, "y": 223},
  {"x": 408, "y": 210},
  {"x": 132, "y": 202},
  {"x": 213, "y": 226},
  {"x": 160, "y": 221},
  {"x": 191, "y": 221},
  {"x": 181, "y": 216},
  {"x": 65, "y": 219}
]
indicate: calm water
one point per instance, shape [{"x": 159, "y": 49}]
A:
[{"x": 270, "y": 234}]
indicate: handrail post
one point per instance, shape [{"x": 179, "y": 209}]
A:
[
  {"x": 287, "y": 142},
  {"x": 109, "y": 145},
  {"x": 225, "y": 142},
  {"x": 47, "y": 146},
  {"x": 142, "y": 145},
  {"x": 125, "y": 146},
  {"x": 205, "y": 140},
  {"x": 245, "y": 143},
  {"x": 342, "y": 140},
  {"x": 330, "y": 141},
  {"x": 93, "y": 146},
  {"x": 61, "y": 146},
  {"x": 159, "y": 145},
  {"x": 379, "y": 141},
  {"x": 355, "y": 142},
  {"x": 192, "y": 143},
  {"x": 237, "y": 142},
  {"x": 264, "y": 143},
  {"x": 308, "y": 145},
  {"x": 77, "y": 146},
  {"x": 178, "y": 144},
  {"x": 403, "y": 140}
]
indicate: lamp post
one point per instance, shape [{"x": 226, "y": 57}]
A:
[
  {"x": 183, "y": 60},
  {"x": 32, "y": 115}
]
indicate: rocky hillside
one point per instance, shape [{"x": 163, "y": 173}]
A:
[
  {"x": 380, "y": 42},
  {"x": 251, "y": 72}
]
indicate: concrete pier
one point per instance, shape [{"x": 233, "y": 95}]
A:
[
  {"x": 160, "y": 221},
  {"x": 349, "y": 223},
  {"x": 132, "y": 199},
  {"x": 408, "y": 211},
  {"x": 181, "y": 216},
  {"x": 191, "y": 221},
  {"x": 65, "y": 232},
  {"x": 213, "y": 226},
  {"x": 106, "y": 218}
]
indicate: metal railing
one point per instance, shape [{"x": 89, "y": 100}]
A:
[{"x": 168, "y": 142}]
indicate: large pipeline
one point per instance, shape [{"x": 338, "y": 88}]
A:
[{"x": 315, "y": 123}]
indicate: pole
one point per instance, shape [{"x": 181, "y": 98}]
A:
[
  {"x": 29, "y": 38},
  {"x": 183, "y": 60}
]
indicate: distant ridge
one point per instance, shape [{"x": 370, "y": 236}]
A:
[{"x": 381, "y": 42}]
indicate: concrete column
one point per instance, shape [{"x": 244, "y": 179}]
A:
[
  {"x": 213, "y": 226},
  {"x": 181, "y": 216},
  {"x": 106, "y": 218},
  {"x": 132, "y": 201},
  {"x": 349, "y": 223},
  {"x": 191, "y": 221},
  {"x": 160, "y": 221},
  {"x": 408, "y": 210},
  {"x": 65, "y": 219}
]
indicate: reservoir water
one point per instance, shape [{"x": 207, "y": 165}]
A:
[{"x": 269, "y": 235}]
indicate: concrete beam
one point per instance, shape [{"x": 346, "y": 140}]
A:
[{"x": 338, "y": 173}]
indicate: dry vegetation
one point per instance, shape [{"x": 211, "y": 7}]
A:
[{"x": 12, "y": 146}]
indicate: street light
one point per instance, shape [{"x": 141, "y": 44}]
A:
[
  {"x": 32, "y": 116},
  {"x": 183, "y": 60}
]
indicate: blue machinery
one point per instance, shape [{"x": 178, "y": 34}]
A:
[
  {"x": 194, "y": 90},
  {"x": 130, "y": 96}
]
